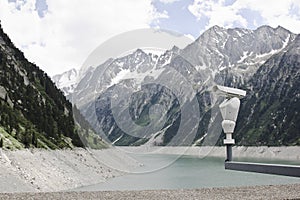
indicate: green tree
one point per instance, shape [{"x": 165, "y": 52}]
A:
[
  {"x": 34, "y": 139},
  {"x": 1, "y": 143}
]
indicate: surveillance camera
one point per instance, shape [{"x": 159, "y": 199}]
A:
[{"x": 229, "y": 92}]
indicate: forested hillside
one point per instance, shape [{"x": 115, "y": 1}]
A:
[{"x": 33, "y": 111}]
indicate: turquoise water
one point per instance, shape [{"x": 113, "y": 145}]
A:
[{"x": 186, "y": 172}]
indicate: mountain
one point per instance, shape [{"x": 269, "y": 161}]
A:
[
  {"x": 236, "y": 53},
  {"x": 33, "y": 111},
  {"x": 66, "y": 81},
  {"x": 271, "y": 113},
  {"x": 141, "y": 86},
  {"x": 128, "y": 71}
]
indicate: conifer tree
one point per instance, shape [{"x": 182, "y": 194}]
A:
[{"x": 1, "y": 143}]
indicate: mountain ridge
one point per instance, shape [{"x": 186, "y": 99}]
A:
[{"x": 230, "y": 57}]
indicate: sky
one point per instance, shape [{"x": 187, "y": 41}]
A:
[{"x": 58, "y": 35}]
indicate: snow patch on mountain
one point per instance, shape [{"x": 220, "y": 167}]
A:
[{"x": 66, "y": 81}]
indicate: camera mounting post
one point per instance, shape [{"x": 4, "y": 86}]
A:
[{"x": 229, "y": 110}]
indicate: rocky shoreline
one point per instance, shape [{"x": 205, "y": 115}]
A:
[
  {"x": 288, "y": 153},
  {"x": 39, "y": 170}
]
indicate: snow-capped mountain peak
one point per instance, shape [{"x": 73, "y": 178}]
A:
[{"x": 66, "y": 81}]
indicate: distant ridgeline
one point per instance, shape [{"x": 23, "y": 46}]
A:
[
  {"x": 33, "y": 112},
  {"x": 265, "y": 62}
]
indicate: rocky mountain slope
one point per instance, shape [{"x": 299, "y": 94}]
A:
[
  {"x": 33, "y": 112},
  {"x": 263, "y": 61},
  {"x": 270, "y": 113}
]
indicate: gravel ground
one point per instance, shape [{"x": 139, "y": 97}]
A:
[
  {"x": 253, "y": 192},
  {"x": 39, "y": 170}
]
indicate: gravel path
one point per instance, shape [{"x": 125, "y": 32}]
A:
[{"x": 253, "y": 192}]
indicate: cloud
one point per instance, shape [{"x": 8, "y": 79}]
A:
[
  {"x": 220, "y": 12},
  {"x": 190, "y": 37},
  {"x": 70, "y": 29},
  {"x": 274, "y": 13},
  {"x": 168, "y": 1},
  {"x": 59, "y": 35}
]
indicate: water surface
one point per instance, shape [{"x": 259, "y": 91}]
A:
[{"x": 186, "y": 172}]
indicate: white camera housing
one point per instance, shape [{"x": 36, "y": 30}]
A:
[
  {"x": 229, "y": 109},
  {"x": 229, "y": 92}
]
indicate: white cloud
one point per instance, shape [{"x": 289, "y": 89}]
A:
[
  {"x": 272, "y": 12},
  {"x": 202, "y": 8},
  {"x": 275, "y": 13},
  {"x": 71, "y": 29},
  {"x": 190, "y": 37},
  {"x": 218, "y": 14},
  {"x": 168, "y": 1}
]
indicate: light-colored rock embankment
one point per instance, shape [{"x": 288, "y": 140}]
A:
[{"x": 39, "y": 170}]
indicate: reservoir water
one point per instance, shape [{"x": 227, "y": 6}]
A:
[{"x": 186, "y": 172}]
